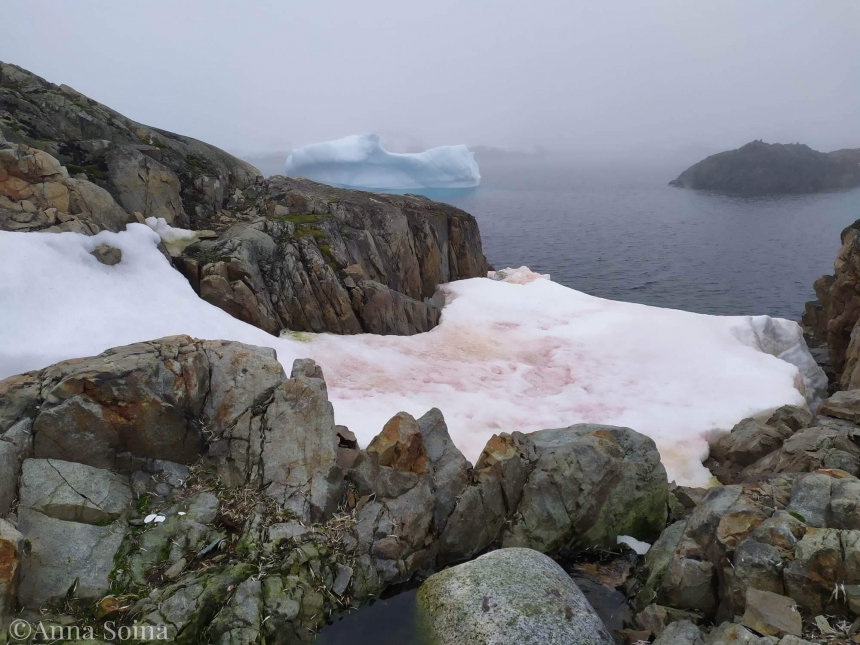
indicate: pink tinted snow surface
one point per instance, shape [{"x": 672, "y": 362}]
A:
[{"x": 518, "y": 352}]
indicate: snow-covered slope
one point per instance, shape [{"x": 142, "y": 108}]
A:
[
  {"x": 359, "y": 161},
  {"x": 516, "y": 353}
]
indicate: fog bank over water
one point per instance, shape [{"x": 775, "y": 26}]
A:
[{"x": 634, "y": 79}]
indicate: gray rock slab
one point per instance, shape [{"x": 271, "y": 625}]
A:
[
  {"x": 74, "y": 492},
  {"x": 65, "y": 555}
]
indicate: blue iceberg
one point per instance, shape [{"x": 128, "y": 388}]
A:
[{"x": 359, "y": 161}]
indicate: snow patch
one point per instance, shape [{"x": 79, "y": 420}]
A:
[
  {"x": 175, "y": 239},
  {"x": 640, "y": 547},
  {"x": 359, "y": 161},
  {"x": 521, "y": 353}
]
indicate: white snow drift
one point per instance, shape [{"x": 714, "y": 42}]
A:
[
  {"x": 515, "y": 353},
  {"x": 359, "y": 161}
]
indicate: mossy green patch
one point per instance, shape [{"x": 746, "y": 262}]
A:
[
  {"x": 143, "y": 503},
  {"x": 201, "y": 166},
  {"x": 301, "y": 219},
  {"x": 152, "y": 141},
  {"x": 300, "y": 336},
  {"x": 93, "y": 171},
  {"x": 205, "y": 255}
]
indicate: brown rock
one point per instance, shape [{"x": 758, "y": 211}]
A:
[
  {"x": 839, "y": 300},
  {"x": 817, "y": 566},
  {"x": 147, "y": 400},
  {"x": 37, "y": 185},
  {"x": 400, "y": 445},
  {"x": 11, "y": 554},
  {"x": 322, "y": 259},
  {"x": 107, "y": 254},
  {"x": 829, "y": 444},
  {"x": 771, "y": 614},
  {"x": 842, "y": 405},
  {"x": 655, "y": 618},
  {"x": 151, "y": 171},
  {"x": 144, "y": 185},
  {"x": 690, "y": 584}
]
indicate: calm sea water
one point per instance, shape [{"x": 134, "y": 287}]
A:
[{"x": 618, "y": 231}]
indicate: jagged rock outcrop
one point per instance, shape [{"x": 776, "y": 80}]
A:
[
  {"x": 70, "y": 516},
  {"x": 196, "y": 478},
  {"x": 760, "y": 168},
  {"x": 309, "y": 257},
  {"x": 791, "y": 441},
  {"x": 828, "y": 443},
  {"x": 144, "y": 401},
  {"x": 790, "y": 534},
  {"x": 291, "y": 255},
  {"x": 37, "y": 194},
  {"x": 832, "y": 318},
  {"x": 567, "y": 488},
  {"x": 154, "y": 172}
]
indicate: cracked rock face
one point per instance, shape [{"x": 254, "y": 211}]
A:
[
  {"x": 291, "y": 255},
  {"x": 321, "y": 259},
  {"x": 790, "y": 442},
  {"x": 73, "y": 492},
  {"x": 299, "y": 446},
  {"x": 568, "y": 488},
  {"x": 71, "y": 516},
  {"x": 832, "y": 318}
]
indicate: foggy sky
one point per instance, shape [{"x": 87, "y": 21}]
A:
[{"x": 636, "y": 77}]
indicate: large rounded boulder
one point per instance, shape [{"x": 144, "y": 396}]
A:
[{"x": 509, "y": 596}]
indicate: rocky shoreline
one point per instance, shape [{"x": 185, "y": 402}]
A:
[{"x": 192, "y": 486}]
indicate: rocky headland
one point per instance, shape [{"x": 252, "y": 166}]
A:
[
  {"x": 193, "y": 491},
  {"x": 277, "y": 253},
  {"x": 759, "y": 169}
]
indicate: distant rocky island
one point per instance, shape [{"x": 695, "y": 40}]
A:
[{"x": 760, "y": 168}]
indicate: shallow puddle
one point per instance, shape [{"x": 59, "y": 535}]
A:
[{"x": 388, "y": 621}]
